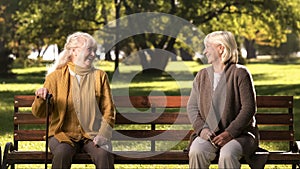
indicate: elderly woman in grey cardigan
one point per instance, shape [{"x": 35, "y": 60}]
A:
[{"x": 221, "y": 107}]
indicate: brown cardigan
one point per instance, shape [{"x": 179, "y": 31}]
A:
[
  {"x": 58, "y": 84},
  {"x": 240, "y": 105}
]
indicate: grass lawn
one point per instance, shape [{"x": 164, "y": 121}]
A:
[{"x": 269, "y": 79}]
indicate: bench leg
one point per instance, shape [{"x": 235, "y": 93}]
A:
[{"x": 8, "y": 148}]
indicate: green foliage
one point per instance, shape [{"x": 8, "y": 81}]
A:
[
  {"x": 46, "y": 22},
  {"x": 39, "y": 22},
  {"x": 267, "y": 22},
  {"x": 286, "y": 51}
]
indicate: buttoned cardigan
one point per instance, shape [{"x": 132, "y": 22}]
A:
[
  {"x": 240, "y": 105},
  {"x": 58, "y": 84}
]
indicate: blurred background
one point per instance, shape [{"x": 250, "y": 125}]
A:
[{"x": 33, "y": 32}]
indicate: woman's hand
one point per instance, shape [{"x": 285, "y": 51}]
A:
[
  {"x": 100, "y": 140},
  {"x": 222, "y": 138},
  {"x": 206, "y": 134},
  {"x": 41, "y": 93}
]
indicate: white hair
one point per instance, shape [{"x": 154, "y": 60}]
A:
[
  {"x": 77, "y": 39},
  {"x": 227, "y": 40}
]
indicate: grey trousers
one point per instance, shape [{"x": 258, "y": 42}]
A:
[
  {"x": 63, "y": 154},
  {"x": 202, "y": 153}
]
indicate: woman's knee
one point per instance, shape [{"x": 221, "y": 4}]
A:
[
  {"x": 202, "y": 154},
  {"x": 231, "y": 151},
  {"x": 201, "y": 147},
  {"x": 227, "y": 155},
  {"x": 101, "y": 153},
  {"x": 64, "y": 154},
  {"x": 196, "y": 152},
  {"x": 61, "y": 149}
]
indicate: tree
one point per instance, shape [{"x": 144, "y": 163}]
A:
[
  {"x": 7, "y": 8},
  {"x": 38, "y": 22},
  {"x": 263, "y": 22},
  {"x": 41, "y": 22}
]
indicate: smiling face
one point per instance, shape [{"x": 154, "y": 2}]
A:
[
  {"x": 213, "y": 52},
  {"x": 222, "y": 44},
  {"x": 84, "y": 54}
]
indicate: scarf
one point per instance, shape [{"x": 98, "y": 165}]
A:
[{"x": 84, "y": 98}]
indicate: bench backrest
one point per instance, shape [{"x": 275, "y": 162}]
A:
[{"x": 161, "y": 121}]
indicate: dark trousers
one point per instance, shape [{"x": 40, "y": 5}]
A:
[{"x": 63, "y": 154}]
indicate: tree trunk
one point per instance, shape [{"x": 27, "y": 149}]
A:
[
  {"x": 249, "y": 45},
  {"x": 6, "y": 61}
]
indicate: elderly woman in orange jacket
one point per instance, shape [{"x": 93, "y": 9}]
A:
[{"x": 82, "y": 110}]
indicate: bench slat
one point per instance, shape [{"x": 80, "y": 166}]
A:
[
  {"x": 27, "y": 118},
  {"x": 29, "y": 135},
  {"x": 151, "y": 101},
  {"x": 124, "y": 118},
  {"x": 274, "y": 102},
  {"x": 172, "y": 101},
  {"x": 276, "y": 135},
  {"x": 163, "y": 118},
  {"x": 160, "y": 135},
  {"x": 24, "y": 100},
  {"x": 166, "y": 135},
  {"x": 152, "y": 118},
  {"x": 274, "y": 119}
]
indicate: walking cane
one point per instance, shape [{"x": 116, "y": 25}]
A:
[{"x": 48, "y": 97}]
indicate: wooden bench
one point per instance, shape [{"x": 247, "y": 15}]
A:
[{"x": 156, "y": 131}]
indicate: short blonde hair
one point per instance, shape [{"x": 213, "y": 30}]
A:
[
  {"x": 227, "y": 40},
  {"x": 77, "y": 39}
]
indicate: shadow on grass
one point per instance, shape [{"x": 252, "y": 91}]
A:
[
  {"x": 262, "y": 76},
  {"x": 278, "y": 89},
  {"x": 295, "y": 61},
  {"x": 34, "y": 77}
]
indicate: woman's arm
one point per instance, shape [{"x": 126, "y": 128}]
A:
[
  {"x": 193, "y": 107},
  {"x": 107, "y": 108}
]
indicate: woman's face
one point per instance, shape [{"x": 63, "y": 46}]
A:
[
  {"x": 84, "y": 56},
  {"x": 213, "y": 52}
]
